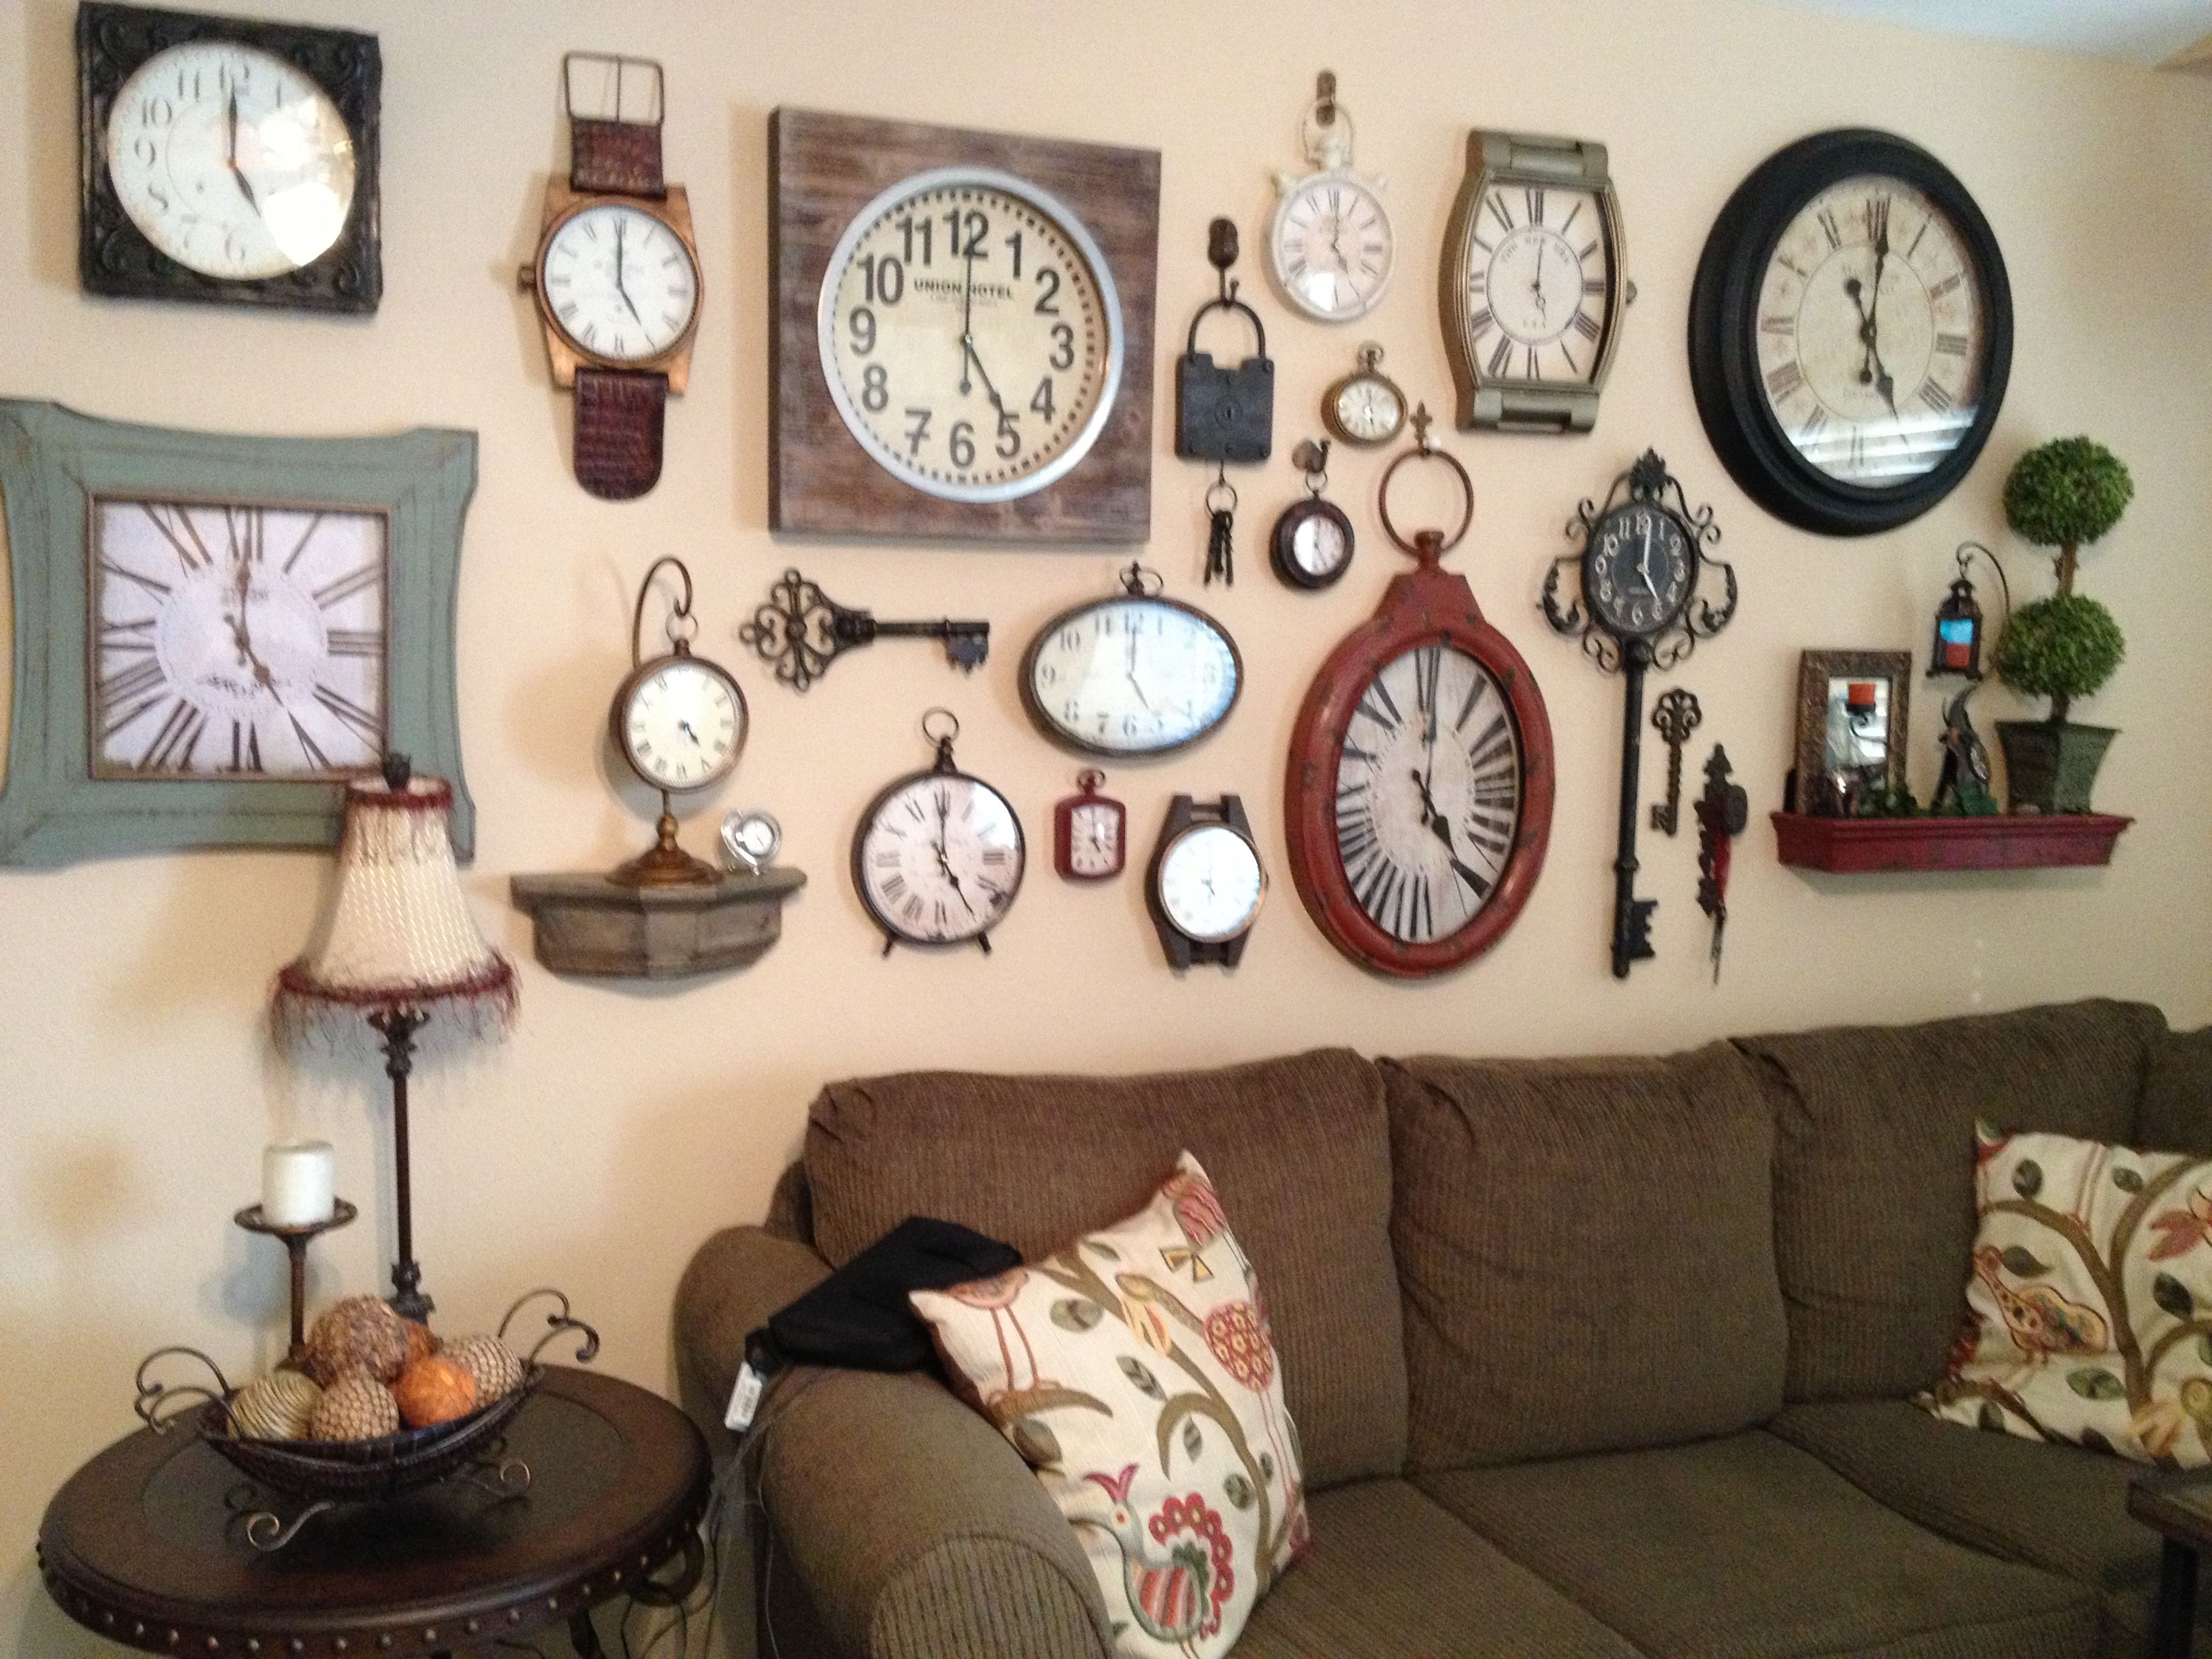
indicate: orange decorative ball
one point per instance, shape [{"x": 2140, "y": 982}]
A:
[
  {"x": 433, "y": 1390},
  {"x": 420, "y": 1345}
]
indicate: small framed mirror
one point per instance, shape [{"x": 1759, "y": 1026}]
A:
[{"x": 1850, "y": 728}]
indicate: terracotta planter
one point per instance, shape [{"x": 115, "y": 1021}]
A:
[{"x": 2051, "y": 766}]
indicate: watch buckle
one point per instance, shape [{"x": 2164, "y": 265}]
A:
[{"x": 616, "y": 68}]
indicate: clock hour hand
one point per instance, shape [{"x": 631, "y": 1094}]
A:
[
  {"x": 1441, "y": 828},
  {"x": 619, "y": 289},
  {"x": 230, "y": 156}
]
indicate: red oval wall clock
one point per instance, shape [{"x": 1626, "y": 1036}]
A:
[{"x": 1418, "y": 800}]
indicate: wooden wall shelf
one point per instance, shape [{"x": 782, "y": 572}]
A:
[
  {"x": 589, "y": 925},
  {"x": 2009, "y": 841}
]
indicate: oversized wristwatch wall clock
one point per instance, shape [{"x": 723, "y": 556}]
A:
[
  {"x": 226, "y": 159},
  {"x": 1206, "y": 883},
  {"x": 617, "y": 282},
  {"x": 961, "y": 343},
  {"x": 1851, "y": 332},
  {"x": 1416, "y": 803},
  {"x": 1532, "y": 286}
]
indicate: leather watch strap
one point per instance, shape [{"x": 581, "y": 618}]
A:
[
  {"x": 615, "y": 158},
  {"x": 619, "y": 416}
]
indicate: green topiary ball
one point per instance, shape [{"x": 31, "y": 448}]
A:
[
  {"x": 2068, "y": 491},
  {"x": 2062, "y": 646}
]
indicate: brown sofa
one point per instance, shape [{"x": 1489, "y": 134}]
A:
[{"x": 1589, "y": 1358}]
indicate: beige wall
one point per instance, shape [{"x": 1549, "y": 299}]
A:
[{"x": 622, "y": 1124}]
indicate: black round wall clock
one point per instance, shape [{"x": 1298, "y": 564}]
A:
[{"x": 1851, "y": 332}]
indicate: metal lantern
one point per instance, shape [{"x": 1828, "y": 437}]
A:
[{"x": 1957, "y": 646}]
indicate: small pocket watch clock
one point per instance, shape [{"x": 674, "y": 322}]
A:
[
  {"x": 1311, "y": 547},
  {"x": 1330, "y": 245},
  {"x": 937, "y": 857},
  {"x": 1366, "y": 407},
  {"x": 750, "y": 841},
  {"x": 679, "y": 721},
  {"x": 1089, "y": 833},
  {"x": 1206, "y": 882},
  {"x": 1132, "y": 674}
]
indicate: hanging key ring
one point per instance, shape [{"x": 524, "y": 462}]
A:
[{"x": 1427, "y": 545}]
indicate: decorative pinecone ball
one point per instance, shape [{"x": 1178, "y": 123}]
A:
[
  {"x": 433, "y": 1389},
  {"x": 277, "y": 1406},
  {"x": 361, "y": 1334},
  {"x": 494, "y": 1365},
  {"x": 354, "y": 1407}
]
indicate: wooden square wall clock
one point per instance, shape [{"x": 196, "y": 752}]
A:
[
  {"x": 212, "y": 633},
  {"x": 226, "y": 159},
  {"x": 962, "y": 339}
]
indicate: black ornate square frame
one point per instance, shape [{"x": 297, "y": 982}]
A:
[{"x": 114, "y": 258}]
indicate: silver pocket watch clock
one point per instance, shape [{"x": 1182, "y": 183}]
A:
[
  {"x": 1330, "y": 245},
  {"x": 938, "y": 858}
]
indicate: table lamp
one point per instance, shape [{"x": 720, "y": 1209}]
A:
[{"x": 396, "y": 946}]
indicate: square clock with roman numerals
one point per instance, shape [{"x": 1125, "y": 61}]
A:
[{"x": 213, "y": 633}]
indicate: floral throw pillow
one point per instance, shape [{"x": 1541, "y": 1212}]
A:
[
  {"x": 2089, "y": 1311},
  {"x": 1135, "y": 1371}
]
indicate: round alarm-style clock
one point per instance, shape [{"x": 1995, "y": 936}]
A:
[{"x": 938, "y": 858}]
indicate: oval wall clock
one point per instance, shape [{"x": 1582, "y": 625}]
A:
[{"x": 1851, "y": 332}]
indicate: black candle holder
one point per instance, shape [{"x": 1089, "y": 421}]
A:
[{"x": 296, "y": 1239}]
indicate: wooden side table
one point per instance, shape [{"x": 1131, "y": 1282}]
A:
[
  {"x": 2180, "y": 1508},
  {"x": 146, "y": 1546}
]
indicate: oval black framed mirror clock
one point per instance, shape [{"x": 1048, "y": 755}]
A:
[{"x": 1851, "y": 332}]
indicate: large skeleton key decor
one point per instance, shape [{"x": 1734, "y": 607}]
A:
[
  {"x": 802, "y": 631},
  {"x": 1641, "y": 562}
]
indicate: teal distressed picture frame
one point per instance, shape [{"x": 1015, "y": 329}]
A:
[{"x": 54, "y": 465}]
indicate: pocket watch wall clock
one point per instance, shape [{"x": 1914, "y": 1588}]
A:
[
  {"x": 1532, "y": 283},
  {"x": 1089, "y": 833},
  {"x": 616, "y": 282},
  {"x": 212, "y": 633},
  {"x": 1135, "y": 673},
  {"x": 1366, "y": 407},
  {"x": 750, "y": 841},
  {"x": 1640, "y": 562},
  {"x": 680, "y": 723},
  {"x": 937, "y": 857},
  {"x": 1329, "y": 245},
  {"x": 1206, "y": 882},
  {"x": 962, "y": 336},
  {"x": 226, "y": 159},
  {"x": 1417, "y": 803},
  {"x": 1311, "y": 547},
  {"x": 1851, "y": 332}
]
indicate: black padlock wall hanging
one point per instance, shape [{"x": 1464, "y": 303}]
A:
[{"x": 1224, "y": 414}]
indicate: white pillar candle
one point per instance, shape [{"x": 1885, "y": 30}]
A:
[{"x": 298, "y": 1183}]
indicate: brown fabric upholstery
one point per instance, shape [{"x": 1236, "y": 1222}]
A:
[
  {"x": 735, "y": 1280},
  {"x": 1748, "y": 1548},
  {"x": 791, "y": 1206},
  {"x": 1586, "y": 1249},
  {"x": 2176, "y": 1102},
  {"x": 1873, "y": 1171},
  {"x": 1299, "y": 1148},
  {"x": 1392, "y": 1576}
]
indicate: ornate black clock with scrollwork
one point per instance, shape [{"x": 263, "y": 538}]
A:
[{"x": 1641, "y": 560}]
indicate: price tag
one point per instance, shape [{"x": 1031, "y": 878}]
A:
[{"x": 744, "y": 1400}]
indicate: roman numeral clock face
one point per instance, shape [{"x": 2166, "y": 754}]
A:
[
  {"x": 1538, "y": 284},
  {"x": 620, "y": 283},
  {"x": 237, "y": 640}
]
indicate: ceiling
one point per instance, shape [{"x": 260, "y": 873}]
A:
[{"x": 2175, "y": 33}]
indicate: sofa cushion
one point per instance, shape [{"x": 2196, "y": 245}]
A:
[
  {"x": 1391, "y": 1576},
  {"x": 1299, "y": 1148},
  {"x": 1873, "y": 1183},
  {"x": 1587, "y": 1252},
  {"x": 2176, "y": 1102},
  {"x": 1749, "y": 1548}
]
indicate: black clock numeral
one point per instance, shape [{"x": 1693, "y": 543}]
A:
[
  {"x": 1496, "y": 366},
  {"x": 1496, "y": 740},
  {"x": 1048, "y": 297},
  {"x": 1586, "y": 325},
  {"x": 1386, "y": 716},
  {"x": 863, "y": 323},
  {"x": 1877, "y": 220},
  {"x": 1008, "y": 443},
  {"x": 1063, "y": 347},
  {"x": 1014, "y": 246},
  {"x": 355, "y": 642},
  {"x": 907, "y": 227},
  {"x": 1951, "y": 345},
  {"x": 1594, "y": 287},
  {"x": 172, "y": 746},
  {"x": 1480, "y": 324},
  {"x": 1530, "y": 372},
  {"x": 962, "y": 444},
  {"x": 1814, "y": 423},
  {"x": 917, "y": 429},
  {"x": 1830, "y": 228},
  {"x": 135, "y": 681},
  {"x": 875, "y": 388},
  {"x": 1422, "y": 924},
  {"x": 1496, "y": 203},
  {"x": 1935, "y": 396},
  {"x": 1781, "y": 323},
  {"x": 964, "y": 234},
  {"x": 1478, "y": 282},
  {"x": 184, "y": 537},
  {"x": 130, "y": 637},
  {"x": 1937, "y": 290},
  {"x": 307, "y": 535},
  {"x": 887, "y": 278},
  {"x": 245, "y": 747},
  {"x": 1784, "y": 379},
  {"x": 1041, "y": 403},
  {"x": 1535, "y": 194},
  {"x": 1857, "y": 457},
  {"x": 354, "y": 581},
  {"x": 1473, "y": 696},
  {"x": 894, "y": 887},
  {"x": 351, "y": 712},
  {"x": 911, "y": 909}
]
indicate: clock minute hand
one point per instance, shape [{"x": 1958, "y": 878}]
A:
[
  {"x": 619, "y": 286},
  {"x": 230, "y": 156}
]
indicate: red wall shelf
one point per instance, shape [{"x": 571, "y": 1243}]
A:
[{"x": 2010, "y": 842}]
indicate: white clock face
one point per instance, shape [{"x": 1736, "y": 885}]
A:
[
  {"x": 1331, "y": 247},
  {"x": 684, "y": 724},
  {"x": 1211, "y": 882},
  {"x": 1540, "y": 283},
  {"x": 1132, "y": 676},
  {"x": 1318, "y": 544},
  {"x": 939, "y": 859},
  {"x": 971, "y": 335},
  {"x": 230, "y": 161},
  {"x": 1428, "y": 793},
  {"x": 1094, "y": 840},
  {"x": 1873, "y": 328},
  {"x": 620, "y": 285},
  {"x": 237, "y": 640},
  {"x": 1369, "y": 410}
]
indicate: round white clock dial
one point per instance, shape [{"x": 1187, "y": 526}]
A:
[
  {"x": 619, "y": 283},
  {"x": 1211, "y": 882},
  {"x": 237, "y": 640},
  {"x": 1871, "y": 332},
  {"x": 1428, "y": 793},
  {"x": 1330, "y": 246},
  {"x": 1318, "y": 544},
  {"x": 1132, "y": 676},
  {"x": 682, "y": 724},
  {"x": 1539, "y": 282},
  {"x": 971, "y": 334},
  {"x": 939, "y": 859},
  {"x": 230, "y": 161},
  {"x": 1094, "y": 842},
  {"x": 1369, "y": 410}
]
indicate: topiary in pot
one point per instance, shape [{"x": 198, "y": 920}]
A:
[{"x": 2064, "y": 494}]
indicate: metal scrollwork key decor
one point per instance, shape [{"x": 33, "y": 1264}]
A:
[
  {"x": 1641, "y": 562},
  {"x": 1722, "y": 811},
  {"x": 802, "y": 631},
  {"x": 1677, "y": 715}
]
